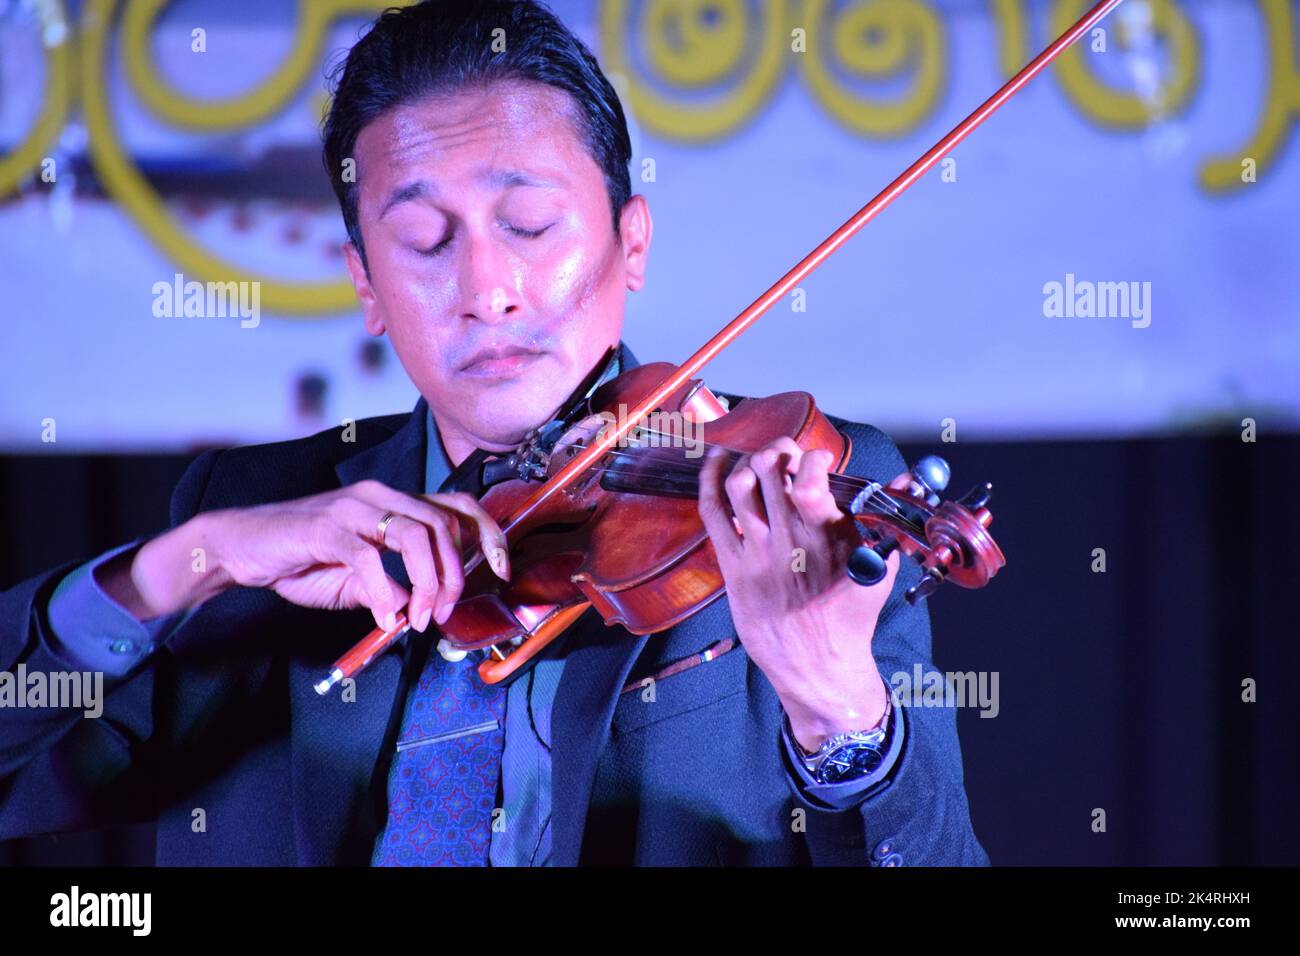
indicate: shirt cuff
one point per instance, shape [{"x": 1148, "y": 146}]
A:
[
  {"x": 96, "y": 632},
  {"x": 842, "y": 796}
]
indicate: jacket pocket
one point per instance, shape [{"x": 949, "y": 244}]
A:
[{"x": 653, "y": 700}]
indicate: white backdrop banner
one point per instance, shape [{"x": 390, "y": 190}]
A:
[{"x": 1116, "y": 252}]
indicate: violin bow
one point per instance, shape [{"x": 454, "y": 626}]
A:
[
  {"x": 361, "y": 655},
  {"x": 611, "y": 436}
]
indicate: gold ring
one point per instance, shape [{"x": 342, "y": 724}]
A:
[{"x": 383, "y": 526}]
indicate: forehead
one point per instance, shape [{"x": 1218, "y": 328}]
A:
[{"x": 475, "y": 133}]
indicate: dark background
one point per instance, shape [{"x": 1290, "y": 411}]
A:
[{"x": 1119, "y": 691}]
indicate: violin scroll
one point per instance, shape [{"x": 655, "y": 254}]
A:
[{"x": 949, "y": 539}]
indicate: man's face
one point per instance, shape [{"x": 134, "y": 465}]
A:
[{"x": 494, "y": 267}]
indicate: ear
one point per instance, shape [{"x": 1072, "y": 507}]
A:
[
  {"x": 370, "y": 309},
  {"x": 635, "y": 228}
]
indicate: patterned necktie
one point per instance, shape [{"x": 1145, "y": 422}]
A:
[{"x": 442, "y": 787}]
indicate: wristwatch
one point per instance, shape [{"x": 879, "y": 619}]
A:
[{"x": 849, "y": 756}]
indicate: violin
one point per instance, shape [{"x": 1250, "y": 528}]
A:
[{"x": 599, "y": 507}]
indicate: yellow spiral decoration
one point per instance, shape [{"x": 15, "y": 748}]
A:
[
  {"x": 38, "y": 143},
  {"x": 1223, "y": 172},
  {"x": 133, "y": 192},
  {"x": 719, "y": 60},
  {"x": 873, "y": 40},
  {"x": 1106, "y": 105},
  {"x": 1013, "y": 32},
  {"x": 692, "y": 52},
  {"x": 314, "y": 17}
]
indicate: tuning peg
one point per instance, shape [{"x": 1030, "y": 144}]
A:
[
  {"x": 924, "y": 588},
  {"x": 931, "y": 474},
  {"x": 867, "y": 563},
  {"x": 977, "y": 497}
]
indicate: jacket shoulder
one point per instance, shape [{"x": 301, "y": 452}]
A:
[
  {"x": 279, "y": 471},
  {"x": 873, "y": 453}
]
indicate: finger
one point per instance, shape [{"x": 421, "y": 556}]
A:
[
  {"x": 492, "y": 540},
  {"x": 772, "y": 465},
  {"x": 436, "y": 519},
  {"x": 404, "y": 535},
  {"x": 900, "y": 482},
  {"x": 411, "y": 539},
  {"x": 432, "y": 510},
  {"x": 811, "y": 491},
  {"x": 715, "y": 511},
  {"x": 452, "y": 572},
  {"x": 381, "y": 594},
  {"x": 429, "y": 537},
  {"x": 747, "y": 503}
]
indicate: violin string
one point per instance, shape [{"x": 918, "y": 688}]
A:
[
  {"x": 846, "y": 482},
  {"x": 687, "y": 478},
  {"x": 878, "y": 504}
]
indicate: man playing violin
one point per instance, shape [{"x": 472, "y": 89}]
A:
[{"x": 493, "y": 238}]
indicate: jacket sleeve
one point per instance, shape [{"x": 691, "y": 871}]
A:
[
  {"x": 917, "y": 816},
  {"x": 61, "y": 770}
]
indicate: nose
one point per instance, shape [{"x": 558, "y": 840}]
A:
[{"x": 487, "y": 282}]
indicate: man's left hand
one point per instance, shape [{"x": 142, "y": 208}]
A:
[{"x": 801, "y": 618}]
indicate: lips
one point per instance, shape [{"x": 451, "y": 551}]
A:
[{"x": 499, "y": 361}]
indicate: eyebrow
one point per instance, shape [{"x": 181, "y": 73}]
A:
[
  {"x": 500, "y": 178},
  {"x": 407, "y": 193},
  {"x": 506, "y": 178}
]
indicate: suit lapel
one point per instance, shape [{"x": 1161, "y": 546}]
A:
[
  {"x": 596, "y": 666},
  {"x": 597, "y": 662},
  {"x": 336, "y": 740}
]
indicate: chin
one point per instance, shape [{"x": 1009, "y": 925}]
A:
[
  {"x": 505, "y": 411},
  {"x": 497, "y": 435}
]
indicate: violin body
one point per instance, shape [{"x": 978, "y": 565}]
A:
[{"x": 627, "y": 538}]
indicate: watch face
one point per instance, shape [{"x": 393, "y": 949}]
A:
[{"x": 850, "y": 762}]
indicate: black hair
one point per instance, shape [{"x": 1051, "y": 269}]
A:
[{"x": 441, "y": 46}]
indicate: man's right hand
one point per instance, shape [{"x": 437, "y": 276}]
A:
[{"x": 322, "y": 551}]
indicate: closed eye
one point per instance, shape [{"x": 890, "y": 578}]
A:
[
  {"x": 526, "y": 233},
  {"x": 435, "y": 250}
]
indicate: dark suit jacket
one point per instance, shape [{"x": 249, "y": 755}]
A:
[{"x": 224, "y": 718}]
